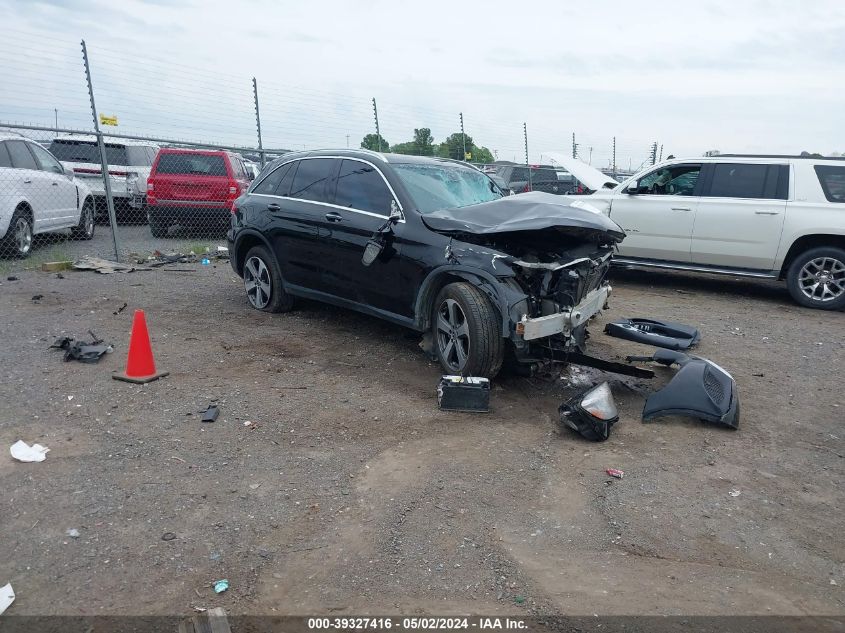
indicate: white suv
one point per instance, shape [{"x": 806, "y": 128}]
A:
[
  {"x": 129, "y": 164},
  {"x": 38, "y": 195},
  {"x": 777, "y": 217}
]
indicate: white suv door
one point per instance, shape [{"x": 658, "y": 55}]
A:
[
  {"x": 63, "y": 191},
  {"x": 659, "y": 215},
  {"x": 740, "y": 215},
  {"x": 35, "y": 185}
]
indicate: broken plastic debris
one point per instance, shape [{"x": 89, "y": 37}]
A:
[
  {"x": 72, "y": 533},
  {"x": 734, "y": 493},
  {"x": 7, "y": 597},
  {"x": 221, "y": 585},
  {"x": 615, "y": 472},
  {"x": 23, "y": 452},
  {"x": 210, "y": 414},
  {"x": 82, "y": 351}
]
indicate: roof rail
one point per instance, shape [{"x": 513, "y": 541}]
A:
[{"x": 777, "y": 156}]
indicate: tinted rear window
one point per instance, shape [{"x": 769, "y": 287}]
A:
[
  {"x": 310, "y": 179},
  {"x": 5, "y": 159},
  {"x": 738, "y": 180},
  {"x": 87, "y": 152},
  {"x": 21, "y": 156},
  {"x": 193, "y": 164},
  {"x": 832, "y": 179},
  {"x": 360, "y": 186}
]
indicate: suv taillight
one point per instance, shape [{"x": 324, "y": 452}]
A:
[
  {"x": 234, "y": 192},
  {"x": 526, "y": 188}
]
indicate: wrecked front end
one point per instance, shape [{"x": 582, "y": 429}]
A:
[{"x": 551, "y": 261}]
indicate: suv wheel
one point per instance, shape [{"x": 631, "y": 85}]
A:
[
  {"x": 85, "y": 229},
  {"x": 18, "y": 242},
  {"x": 158, "y": 227},
  {"x": 263, "y": 282},
  {"x": 816, "y": 278},
  {"x": 467, "y": 332}
]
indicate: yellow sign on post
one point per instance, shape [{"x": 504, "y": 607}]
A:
[
  {"x": 467, "y": 155},
  {"x": 108, "y": 120}
]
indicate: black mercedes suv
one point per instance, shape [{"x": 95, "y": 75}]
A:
[{"x": 428, "y": 243}]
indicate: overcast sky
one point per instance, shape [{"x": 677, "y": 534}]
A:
[{"x": 756, "y": 75}]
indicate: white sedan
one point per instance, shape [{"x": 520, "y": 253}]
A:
[{"x": 37, "y": 195}]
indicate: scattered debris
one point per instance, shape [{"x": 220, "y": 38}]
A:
[
  {"x": 48, "y": 267},
  {"x": 121, "y": 308},
  {"x": 701, "y": 389},
  {"x": 205, "y": 261},
  {"x": 222, "y": 252},
  {"x": 72, "y": 532},
  {"x": 168, "y": 536},
  {"x": 103, "y": 266},
  {"x": 615, "y": 472},
  {"x": 23, "y": 452},
  {"x": 37, "y": 298},
  {"x": 211, "y": 413},
  {"x": 82, "y": 351},
  {"x": 735, "y": 493},
  {"x": 592, "y": 414},
  {"x": 463, "y": 393},
  {"x": 653, "y": 332},
  {"x": 7, "y": 597},
  {"x": 59, "y": 276},
  {"x": 221, "y": 585},
  {"x": 11, "y": 278},
  {"x": 519, "y": 599},
  {"x": 250, "y": 425},
  {"x": 832, "y": 582},
  {"x": 209, "y": 620}
]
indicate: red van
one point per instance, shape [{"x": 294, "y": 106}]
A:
[{"x": 193, "y": 188}]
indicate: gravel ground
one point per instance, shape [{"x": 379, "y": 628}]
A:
[{"x": 350, "y": 492}]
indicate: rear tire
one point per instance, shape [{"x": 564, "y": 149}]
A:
[
  {"x": 263, "y": 282},
  {"x": 158, "y": 228},
  {"x": 467, "y": 332},
  {"x": 85, "y": 229},
  {"x": 816, "y": 278},
  {"x": 18, "y": 240}
]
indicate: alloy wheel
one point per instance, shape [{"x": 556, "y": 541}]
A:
[
  {"x": 452, "y": 335},
  {"x": 23, "y": 236},
  {"x": 88, "y": 210},
  {"x": 257, "y": 282},
  {"x": 822, "y": 279}
]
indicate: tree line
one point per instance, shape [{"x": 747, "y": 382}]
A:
[{"x": 423, "y": 145}]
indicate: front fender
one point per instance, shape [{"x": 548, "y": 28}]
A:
[{"x": 502, "y": 294}]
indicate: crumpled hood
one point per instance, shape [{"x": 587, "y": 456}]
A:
[{"x": 532, "y": 211}]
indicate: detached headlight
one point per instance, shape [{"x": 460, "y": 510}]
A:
[{"x": 592, "y": 414}]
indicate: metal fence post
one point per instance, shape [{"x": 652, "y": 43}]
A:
[
  {"x": 614, "y": 157},
  {"x": 104, "y": 164},
  {"x": 463, "y": 137},
  {"x": 525, "y": 136},
  {"x": 378, "y": 133},
  {"x": 258, "y": 121}
]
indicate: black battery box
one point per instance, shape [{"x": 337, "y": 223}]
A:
[{"x": 463, "y": 393}]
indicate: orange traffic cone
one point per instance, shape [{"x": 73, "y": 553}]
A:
[{"x": 140, "y": 365}]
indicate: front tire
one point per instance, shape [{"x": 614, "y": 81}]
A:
[
  {"x": 263, "y": 282},
  {"x": 467, "y": 332},
  {"x": 85, "y": 229},
  {"x": 816, "y": 278},
  {"x": 18, "y": 241}
]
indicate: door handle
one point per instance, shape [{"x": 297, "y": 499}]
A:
[
  {"x": 273, "y": 207},
  {"x": 767, "y": 213},
  {"x": 27, "y": 182},
  {"x": 55, "y": 184},
  {"x": 681, "y": 209},
  {"x": 334, "y": 217}
]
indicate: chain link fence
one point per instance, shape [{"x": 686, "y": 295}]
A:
[{"x": 102, "y": 154}]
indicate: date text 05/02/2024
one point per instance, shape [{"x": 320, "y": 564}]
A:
[{"x": 416, "y": 623}]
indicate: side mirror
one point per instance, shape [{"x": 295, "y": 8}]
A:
[
  {"x": 633, "y": 188},
  {"x": 372, "y": 251},
  {"x": 68, "y": 173}
]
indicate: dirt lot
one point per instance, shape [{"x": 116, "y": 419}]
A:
[{"x": 355, "y": 494}]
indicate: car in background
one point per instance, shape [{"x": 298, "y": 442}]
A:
[
  {"x": 128, "y": 164},
  {"x": 193, "y": 188},
  {"x": 430, "y": 244},
  {"x": 38, "y": 195},
  {"x": 759, "y": 216},
  {"x": 516, "y": 177},
  {"x": 500, "y": 182},
  {"x": 252, "y": 168}
]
